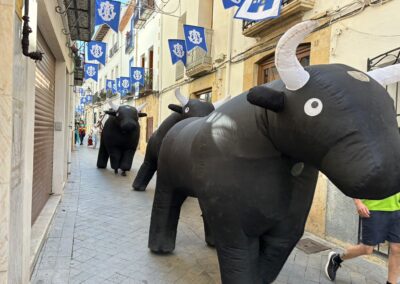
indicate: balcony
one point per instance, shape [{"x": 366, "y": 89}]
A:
[
  {"x": 292, "y": 11},
  {"x": 180, "y": 71},
  {"x": 80, "y": 15},
  {"x": 144, "y": 9},
  {"x": 129, "y": 45},
  {"x": 199, "y": 61}
]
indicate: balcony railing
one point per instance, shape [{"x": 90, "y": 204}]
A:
[
  {"x": 198, "y": 60},
  {"x": 129, "y": 42},
  {"x": 144, "y": 9},
  {"x": 291, "y": 9}
]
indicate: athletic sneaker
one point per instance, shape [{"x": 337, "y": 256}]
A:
[{"x": 332, "y": 265}]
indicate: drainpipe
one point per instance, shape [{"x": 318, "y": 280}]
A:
[
  {"x": 26, "y": 30},
  {"x": 229, "y": 54}
]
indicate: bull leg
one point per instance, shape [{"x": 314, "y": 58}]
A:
[
  {"x": 164, "y": 219},
  {"x": 144, "y": 175},
  {"x": 115, "y": 158},
  {"x": 102, "y": 157},
  {"x": 207, "y": 228},
  {"x": 126, "y": 160}
]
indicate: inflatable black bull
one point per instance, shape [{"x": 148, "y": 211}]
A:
[
  {"x": 253, "y": 166},
  {"x": 188, "y": 108},
  {"x": 120, "y": 137}
]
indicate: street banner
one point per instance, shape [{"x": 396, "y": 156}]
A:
[
  {"x": 177, "y": 48},
  {"x": 91, "y": 71},
  {"x": 137, "y": 75},
  {"x": 258, "y": 10},
  {"x": 97, "y": 51},
  {"x": 83, "y": 101},
  {"x": 125, "y": 85},
  {"x": 115, "y": 88},
  {"x": 108, "y": 12},
  {"x": 194, "y": 37},
  {"x": 89, "y": 99},
  {"x": 119, "y": 85},
  {"x": 109, "y": 85},
  {"x": 230, "y": 3}
]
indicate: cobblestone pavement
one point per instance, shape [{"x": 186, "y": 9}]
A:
[{"x": 99, "y": 235}]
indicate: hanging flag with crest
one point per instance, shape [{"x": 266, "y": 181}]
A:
[
  {"x": 108, "y": 12},
  {"x": 137, "y": 75},
  {"x": 195, "y": 37},
  {"x": 125, "y": 85},
  {"x": 230, "y": 3},
  {"x": 109, "y": 85},
  {"x": 97, "y": 51},
  {"x": 91, "y": 71},
  {"x": 119, "y": 85},
  {"x": 258, "y": 10},
  {"x": 178, "y": 50},
  {"x": 114, "y": 88},
  {"x": 83, "y": 101}
]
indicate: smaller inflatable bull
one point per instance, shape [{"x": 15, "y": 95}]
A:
[
  {"x": 253, "y": 163},
  {"x": 188, "y": 108},
  {"x": 120, "y": 138}
]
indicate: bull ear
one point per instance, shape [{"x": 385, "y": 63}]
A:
[
  {"x": 142, "y": 114},
  {"x": 266, "y": 98},
  {"x": 111, "y": 112},
  {"x": 175, "y": 108}
]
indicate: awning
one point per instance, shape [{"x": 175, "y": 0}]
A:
[{"x": 80, "y": 15}]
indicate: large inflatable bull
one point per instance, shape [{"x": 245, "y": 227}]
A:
[
  {"x": 253, "y": 163},
  {"x": 188, "y": 108},
  {"x": 120, "y": 137}
]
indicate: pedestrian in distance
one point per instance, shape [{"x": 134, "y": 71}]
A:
[
  {"x": 82, "y": 133},
  {"x": 380, "y": 221}
]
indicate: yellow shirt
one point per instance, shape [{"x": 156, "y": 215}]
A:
[{"x": 391, "y": 203}]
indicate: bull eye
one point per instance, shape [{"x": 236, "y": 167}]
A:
[
  {"x": 117, "y": 114},
  {"x": 313, "y": 107},
  {"x": 187, "y": 109}
]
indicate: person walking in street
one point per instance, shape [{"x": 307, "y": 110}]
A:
[
  {"x": 82, "y": 133},
  {"x": 380, "y": 221}
]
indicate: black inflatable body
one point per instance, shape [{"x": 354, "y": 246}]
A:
[
  {"x": 119, "y": 138},
  {"x": 191, "y": 108},
  {"x": 253, "y": 166}
]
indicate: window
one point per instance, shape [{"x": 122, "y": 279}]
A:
[
  {"x": 204, "y": 95},
  {"x": 268, "y": 72}
]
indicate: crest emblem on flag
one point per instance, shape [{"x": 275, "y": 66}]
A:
[
  {"x": 108, "y": 12},
  {"x": 96, "y": 51},
  {"x": 125, "y": 83},
  {"x": 258, "y": 10},
  {"x": 137, "y": 75},
  {"x": 91, "y": 71},
  {"x": 195, "y": 37},
  {"x": 109, "y": 85}
]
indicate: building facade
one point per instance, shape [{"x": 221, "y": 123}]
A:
[{"x": 37, "y": 114}]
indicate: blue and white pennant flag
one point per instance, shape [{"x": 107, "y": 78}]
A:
[
  {"x": 109, "y": 85},
  {"x": 195, "y": 37},
  {"x": 137, "y": 75},
  {"x": 125, "y": 85},
  {"x": 91, "y": 71},
  {"x": 97, "y": 51},
  {"x": 108, "y": 12},
  {"x": 258, "y": 10},
  {"x": 230, "y": 3},
  {"x": 178, "y": 50}
]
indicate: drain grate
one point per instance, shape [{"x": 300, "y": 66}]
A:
[{"x": 310, "y": 246}]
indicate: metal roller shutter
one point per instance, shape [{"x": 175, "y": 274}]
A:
[{"x": 44, "y": 129}]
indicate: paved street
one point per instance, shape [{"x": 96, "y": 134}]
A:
[{"x": 99, "y": 235}]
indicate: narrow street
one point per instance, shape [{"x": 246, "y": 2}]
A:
[{"x": 99, "y": 235}]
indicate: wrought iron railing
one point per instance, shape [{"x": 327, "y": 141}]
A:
[
  {"x": 248, "y": 24},
  {"x": 144, "y": 9}
]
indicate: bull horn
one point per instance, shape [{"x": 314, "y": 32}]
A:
[
  {"x": 113, "y": 106},
  {"x": 290, "y": 70},
  {"x": 386, "y": 75},
  {"x": 182, "y": 99},
  {"x": 141, "y": 107},
  {"x": 219, "y": 103}
]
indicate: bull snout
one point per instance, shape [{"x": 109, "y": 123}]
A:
[
  {"x": 365, "y": 170},
  {"x": 128, "y": 126}
]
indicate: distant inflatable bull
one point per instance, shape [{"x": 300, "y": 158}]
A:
[
  {"x": 188, "y": 108},
  {"x": 253, "y": 163},
  {"x": 120, "y": 138}
]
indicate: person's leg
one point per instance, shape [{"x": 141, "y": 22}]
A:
[
  {"x": 394, "y": 263},
  {"x": 357, "y": 250}
]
